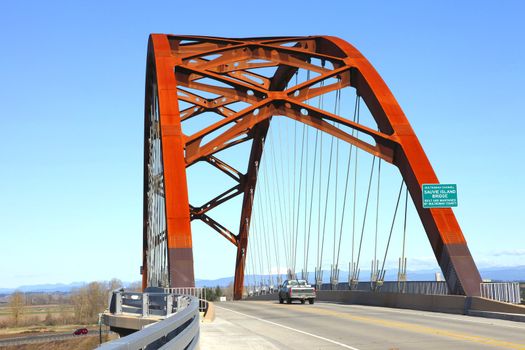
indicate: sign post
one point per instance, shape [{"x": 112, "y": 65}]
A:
[{"x": 440, "y": 195}]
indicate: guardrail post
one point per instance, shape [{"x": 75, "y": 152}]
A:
[
  {"x": 179, "y": 302},
  {"x": 118, "y": 303},
  {"x": 169, "y": 304},
  {"x": 145, "y": 304}
]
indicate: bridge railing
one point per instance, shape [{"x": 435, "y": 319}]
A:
[
  {"x": 409, "y": 287},
  {"x": 508, "y": 292}
]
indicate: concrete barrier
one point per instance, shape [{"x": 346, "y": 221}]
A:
[
  {"x": 209, "y": 314},
  {"x": 452, "y": 304},
  {"x": 437, "y": 303},
  {"x": 482, "y": 304}
]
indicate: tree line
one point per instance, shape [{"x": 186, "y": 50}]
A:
[{"x": 81, "y": 306}]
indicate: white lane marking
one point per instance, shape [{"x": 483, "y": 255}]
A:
[
  {"x": 290, "y": 328},
  {"x": 462, "y": 318}
]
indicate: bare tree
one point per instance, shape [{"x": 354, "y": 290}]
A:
[
  {"x": 135, "y": 286},
  {"x": 79, "y": 302},
  {"x": 16, "y": 304},
  {"x": 228, "y": 291},
  {"x": 96, "y": 294},
  {"x": 91, "y": 299},
  {"x": 115, "y": 283}
]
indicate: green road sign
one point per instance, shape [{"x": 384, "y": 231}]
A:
[{"x": 440, "y": 195}]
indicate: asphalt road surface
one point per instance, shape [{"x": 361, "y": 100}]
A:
[{"x": 270, "y": 325}]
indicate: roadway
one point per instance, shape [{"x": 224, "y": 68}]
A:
[{"x": 270, "y": 325}]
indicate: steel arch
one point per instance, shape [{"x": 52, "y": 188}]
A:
[{"x": 178, "y": 64}]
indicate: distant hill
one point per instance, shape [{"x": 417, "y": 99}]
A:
[
  {"x": 514, "y": 273},
  {"x": 49, "y": 288},
  {"x": 44, "y": 288}
]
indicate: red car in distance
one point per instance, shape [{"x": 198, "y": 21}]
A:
[{"x": 81, "y": 331}]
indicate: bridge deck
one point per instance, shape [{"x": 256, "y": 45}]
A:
[{"x": 269, "y": 325}]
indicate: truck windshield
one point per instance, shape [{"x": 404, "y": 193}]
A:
[{"x": 297, "y": 283}]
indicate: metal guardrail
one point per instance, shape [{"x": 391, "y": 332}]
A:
[
  {"x": 197, "y": 292},
  {"x": 508, "y": 292},
  {"x": 146, "y": 304},
  {"x": 179, "y": 330},
  {"x": 155, "y": 302}
]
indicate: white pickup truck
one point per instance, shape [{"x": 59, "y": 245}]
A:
[{"x": 296, "y": 290}]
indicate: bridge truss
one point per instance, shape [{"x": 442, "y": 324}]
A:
[{"x": 192, "y": 77}]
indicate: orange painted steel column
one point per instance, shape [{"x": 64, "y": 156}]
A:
[
  {"x": 180, "y": 252},
  {"x": 246, "y": 212},
  {"x": 441, "y": 226}
]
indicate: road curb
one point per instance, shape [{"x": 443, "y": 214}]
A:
[{"x": 497, "y": 315}]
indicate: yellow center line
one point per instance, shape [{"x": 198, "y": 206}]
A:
[{"x": 411, "y": 327}]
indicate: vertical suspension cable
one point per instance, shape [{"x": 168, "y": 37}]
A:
[
  {"x": 292, "y": 238},
  {"x": 327, "y": 195},
  {"x": 304, "y": 274},
  {"x": 273, "y": 205},
  {"x": 249, "y": 257},
  {"x": 253, "y": 225},
  {"x": 392, "y": 228},
  {"x": 366, "y": 211},
  {"x": 286, "y": 204},
  {"x": 319, "y": 272},
  {"x": 337, "y": 108},
  {"x": 377, "y": 214},
  {"x": 293, "y": 193},
  {"x": 269, "y": 206},
  {"x": 311, "y": 202},
  {"x": 348, "y": 166},
  {"x": 355, "y": 189},
  {"x": 403, "y": 264},
  {"x": 265, "y": 227},
  {"x": 257, "y": 254},
  {"x": 283, "y": 226},
  {"x": 267, "y": 251},
  {"x": 299, "y": 200},
  {"x": 405, "y": 221}
]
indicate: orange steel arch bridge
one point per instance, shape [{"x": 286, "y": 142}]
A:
[{"x": 189, "y": 77}]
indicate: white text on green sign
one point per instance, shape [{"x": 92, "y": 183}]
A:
[{"x": 440, "y": 195}]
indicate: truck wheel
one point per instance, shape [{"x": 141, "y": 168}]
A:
[
  {"x": 302, "y": 301},
  {"x": 281, "y": 300},
  {"x": 288, "y": 301},
  {"x": 311, "y": 301}
]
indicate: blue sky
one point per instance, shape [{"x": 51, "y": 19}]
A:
[{"x": 71, "y": 123}]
